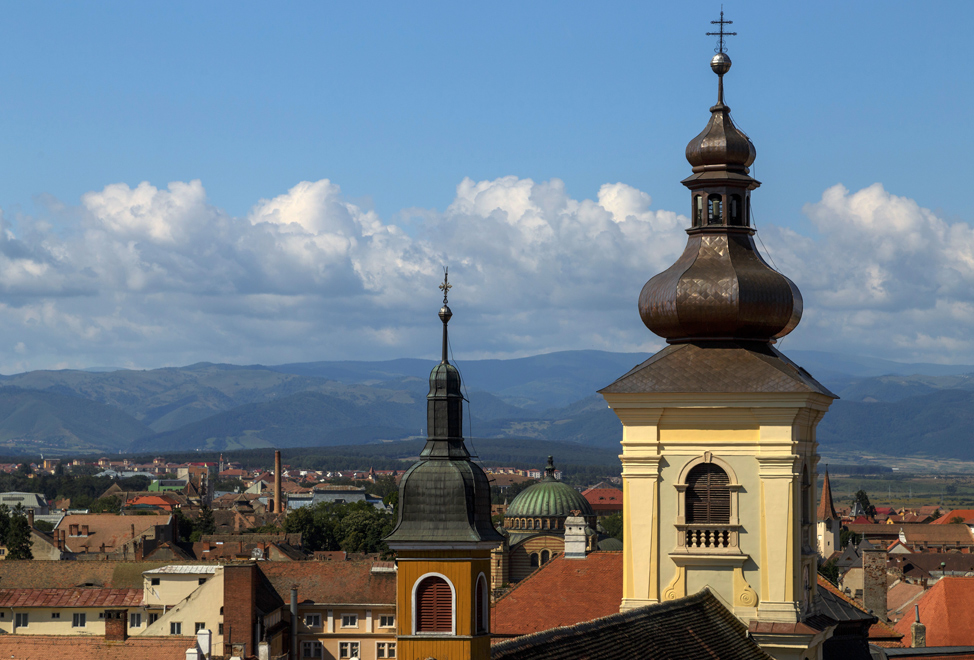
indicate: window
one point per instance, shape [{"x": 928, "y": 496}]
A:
[
  {"x": 434, "y": 606},
  {"x": 545, "y": 556},
  {"x": 349, "y": 621},
  {"x": 101, "y": 615},
  {"x": 176, "y": 628},
  {"x": 348, "y": 650},
  {"x": 78, "y": 620},
  {"x": 154, "y": 582},
  {"x": 387, "y": 621},
  {"x": 20, "y": 620},
  {"x": 312, "y": 620},
  {"x": 806, "y": 497},
  {"x": 535, "y": 560},
  {"x": 385, "y": 650},
  {"x": 153, "y": 618},
  {"x": 135, "y": 620},
  {"x": 698, "y": 210},
  {"x": 55, "y": 615},
  {"x": 715, "y": 213},
  {"x": 735, "y": 210},
  {"x": 708, "y": 498},
  {"x": 199, "y": 626},
  {"x": 312, "y": 650},
  {"x": 481, "y": 605},
  {"x": 219, "y": 628}
]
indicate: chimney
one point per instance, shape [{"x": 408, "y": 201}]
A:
[
  {"x": 874, "y": 582},
  {"x": 575, "y": 540},
  {"x": 239, "y": 598},
  {"x": 277, "y": 484},
  {"x": 30, "y": 518},
  {"x": 294, "y": 622},
  {"x": 917, "y": 630},
  {"x": 116, "y": 625}
]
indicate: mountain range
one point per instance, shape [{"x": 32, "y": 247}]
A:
[{"x": 885, "y": 407}]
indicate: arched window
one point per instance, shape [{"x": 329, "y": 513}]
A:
[
  {"x": 482, "y": 605},
  {"x": 736, "y": 212},
  {"x": 545, "y": 556},
  {"x": 715, "y": 212},
  {"x": 531, "y": 524},
  {"x": 708, "y": 497},
  {"x": 698, "y": 210},
  {"x": 535, "y": 560},
  {"x": 434, "y": 605}
]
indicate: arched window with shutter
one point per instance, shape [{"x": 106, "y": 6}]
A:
[
  {"x": 482, "y": 607},
  {"x": 433, "y": 605},
  {"x": 545, "y": 556},
  {"x": 707, "y": 516},
  {"x": 708, "y": 497}
]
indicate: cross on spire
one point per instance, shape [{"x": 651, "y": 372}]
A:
[
  {"x": 446, "y": 286},
  {"x": 721, "y": 34}
]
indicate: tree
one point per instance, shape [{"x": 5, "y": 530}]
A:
[
  {"x": 110, "y": 504},
  {"x": 863, "y": 499},
  {"x": 43, "y": 526},
  {"x": 846, "y": 537},
  {"x": 957, "y": 520},
  {"x": 204, "y": 524},
  {"x": 18, "y": 536},
  {"x": 499, "y": 494},
  {"x": 353, "y": 527},
  {"x": 830, "y": 571},
  {"x": 613, "y": 525}
]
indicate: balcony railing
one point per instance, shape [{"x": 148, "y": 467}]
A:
[{"x": 702, "y": 538}]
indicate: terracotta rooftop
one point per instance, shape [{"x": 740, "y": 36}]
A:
[
  {"x": 70, "y": 574},
  {"x": 85, "y": 597},
  {"x": 336, "y": 582},
  {"x": 945, "y": 519},
  {"x": 81, "y": 647},
  {"x": 603, "y": 499},
  {"x": 917, "y": 533},
  {"x": 946, "y": 611},
  {"x": 558, "y": 585},
  {"x": 109, "y": 529}
]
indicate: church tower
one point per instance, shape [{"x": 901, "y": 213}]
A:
[
  {"x": 444, "y": 535},
  {"x": 719, "y": 448},
  {"x": 829, "y": 524}
]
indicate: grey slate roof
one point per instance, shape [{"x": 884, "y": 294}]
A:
[
  {"x": 690, "y": 628},
  {"x": 717, "y": 367}
]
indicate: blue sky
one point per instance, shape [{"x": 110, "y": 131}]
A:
[{"x": 395, "y": 106}]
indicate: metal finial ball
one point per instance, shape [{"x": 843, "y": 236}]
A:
[
  {"x": 721, "y": 63},
  {"x": 445, "y": 314}
]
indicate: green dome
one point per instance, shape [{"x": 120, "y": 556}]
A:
[{"x": 549, "y": 497}]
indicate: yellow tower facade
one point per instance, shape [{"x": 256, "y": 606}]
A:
[{"x": 719, "y": 450}]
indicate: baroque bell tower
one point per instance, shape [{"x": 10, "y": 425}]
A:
[
  {"x": 719, "y": 448},
  {"x": 444, "y": 534}
]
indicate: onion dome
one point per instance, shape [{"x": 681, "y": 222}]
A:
[
  {"x": 720, "y": 288},
  {"x": 549, "y": 498},
  {"x": 444, "y": 497}
]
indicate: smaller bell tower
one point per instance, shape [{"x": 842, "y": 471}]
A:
[{"x": 444, "y": 536}]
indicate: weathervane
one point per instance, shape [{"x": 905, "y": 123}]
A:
[
  {"x": 446, "y": 286},
  {"x": 721, "y": 34}
]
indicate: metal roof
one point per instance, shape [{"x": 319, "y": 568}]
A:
[{"x": 181, "y": 569}]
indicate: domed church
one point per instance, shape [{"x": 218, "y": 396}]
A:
[{"x": 534, "y": 527}]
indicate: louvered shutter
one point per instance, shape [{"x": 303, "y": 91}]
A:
[
  {"x": 708, "y": 497},
  {"x": 434, "y": 606}
]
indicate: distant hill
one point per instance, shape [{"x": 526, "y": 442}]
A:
[
  {"x": 940, "y": 424},
  {"x": 48, "y": 420},
  {"x": 543, "y": 398}
]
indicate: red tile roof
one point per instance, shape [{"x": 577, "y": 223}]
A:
[
  {"x": 85, "y": 597},
  {"x": 880, "y": 633},
  {"x": 604, "y": 499},
  {"x": 107, "y": 528},
  {"x": 339, "y": 582},
  {"x": 950, "y": 515},
  {"x": 80, "y": 647},
  {"x": 946, "y": 611},
  {"x": 563, "y": 592}
]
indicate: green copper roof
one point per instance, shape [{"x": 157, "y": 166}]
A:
[{"x": 548, "y": 497}]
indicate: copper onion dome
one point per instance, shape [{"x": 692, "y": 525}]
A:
[{"x": 720, "y": 288}]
